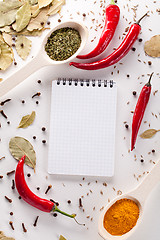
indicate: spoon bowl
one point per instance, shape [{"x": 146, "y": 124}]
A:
[
  {"x": 139, "y": 196},
  {"x": 42, "y": 59}
]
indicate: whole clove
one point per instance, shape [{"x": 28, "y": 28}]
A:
[
  {"x": 2, "y": 158},
  {"x": 3, "y": 114},
  {"x": 24, "y": 229},
  {"x": 10, "y": 173},
  {"x": 11, "y": 224},
  {"x": 35, "y": 223},
  {"x": 36, "y": 94},
  {"x": 48, "y": 188},
  {"x": 13, "y": 184},
  {"x": 80, "y": 203},
  {"x": 7, "y": 100},
  {"x": 8, "y": 199}
]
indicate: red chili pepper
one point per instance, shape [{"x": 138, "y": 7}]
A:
[
  {"x": 118, "y": 54},
  {"x": 29, "y": 197},
  {"x": 111, "y": 22},
  {"x": 139, "y": 111}
]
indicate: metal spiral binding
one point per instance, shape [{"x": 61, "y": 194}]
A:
[{"x": 86, "y": 82}]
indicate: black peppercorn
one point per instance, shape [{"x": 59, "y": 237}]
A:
[
  {"x": 54, "y": 214},
  {"x": 69, "y": 201},
  {"x": 28, "y": 175},
  {"x": 140, "y": 40},
  {"x": 43, "y": 129},
  {"x": 149, "y": 63},
  {"x": 23, "y": 101},
  {"x": 126, "y": 126},
  {"x": 134, "y": 93},
  {"x": 153, "y": 151},
  {"x": 43, "y": 141},
  {"x": 34, "y": 137},
  {"x": 128, "y": 75},
  {"x": 133, "y": 49},
  {"x": 142, "y": 160}
]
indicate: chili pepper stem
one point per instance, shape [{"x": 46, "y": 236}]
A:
[
  {"x": 142, "y": 18},
  {"x": 55, "y": 209},
  {"x": 149, "y": 81},
  {"x": 112, "y": 2}
]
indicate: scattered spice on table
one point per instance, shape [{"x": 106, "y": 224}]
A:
[
  {"x": 63, "y": 43},
  {"x": 48, "y": 188},
  {"x": 5, "y": 101},
  {"x": 8, "y": 199},
  {"x": 10, "y": 173},
  {"x": 24, "y": 228},
  {"x": 11, "y": 224},
  {"x": 13, "y": 184},
  {"x": 121, "y": 217},
  {"x": 35, "y": 222},
  {"x": 36, "y": 94},
  {"x": 3, "y": 114}
]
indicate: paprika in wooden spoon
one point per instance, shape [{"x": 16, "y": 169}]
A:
[{"x": 139, "y": 110}]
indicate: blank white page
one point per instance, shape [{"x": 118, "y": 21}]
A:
[{"x": 82, "y": 129}]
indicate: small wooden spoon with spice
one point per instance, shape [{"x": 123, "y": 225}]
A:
[
  {"x": 121, "y": 216},
  {"x": 42, "y": 59}
]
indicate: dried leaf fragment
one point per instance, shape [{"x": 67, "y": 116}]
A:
[
  {"x": 3, "y": 237},
  {"x": 7, "y": 38},
  {"x": 44, "y": 3},
  {"x": 35, "y": 10},
  {"x": 19, "y": 147},
  {"x": 152, "y": 47},
  {"x": 38, "y": 22},
  {"x": 23, "y": 17},
  {"x": 8, "y": 17},
  {"x": 8, "y": 5},
  {"x": 6, "y": 56},
  {"x": 149, "y": 133},
  {"x": 27, "y": 120},
  {"x": 56, "y": 7},
  {"x": 23, "y": 46},
  {"x": 62, "y": 238}
]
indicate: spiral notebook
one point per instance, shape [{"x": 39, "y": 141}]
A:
[{"x": 82, "y": 127}]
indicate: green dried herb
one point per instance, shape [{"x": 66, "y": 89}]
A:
[{"x": 63, "y": 43}]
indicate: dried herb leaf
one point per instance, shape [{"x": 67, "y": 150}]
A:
[
  {"x": 7, "y": 38},
  {"x": 23, "y": 46},
  {"x": 152, "y": 47},
  {"x": 33, "y": 2},
  {"x": 8, "y": 5},
  {"x": 44, "y": 3},
  {"x": 19, "y": 147},
  {"x": 6, "y": 29},
  {"x": 38, "y": 22},
  {"x": 23, "y": 17},
  {"x": 62, "y": 238},
  {"x": 35, "y": 10},
  {"x": 149, "y": 133},
  {"x": 6, "y": 57},
  {"x": 27, "y": 120},
  {"x": 3, "y": 237},
  {"x": 7, "y": 18},
  {"x": 56, "y": 6}
]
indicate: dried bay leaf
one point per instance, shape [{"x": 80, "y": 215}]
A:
[
  {"x": 33, "y": 2},
  {"x": 62, "y": 238},
  {"x": 8, "y": 17},
  {"x": 27, "y": 120},
  {"x": 44, "y": 3},
  {"x": 8, "y": 5},
  {"x": 19, "y": 147},
  {"x": 23, "y": 17},
  {"x": 35, "y": 10},
  {"x": 7, "y": 38},
  {"x": 6, "y": 56},
  {"x": 6, "y": 29},
  {"x": 56, "y": 6},
  {"x": 3, "y": 237},
  {"x": 152, "y": 47},
  {"x": 23, "y": 46},
  {"x": 149, "y": 133},
  {"x": 38, "y": 22}
]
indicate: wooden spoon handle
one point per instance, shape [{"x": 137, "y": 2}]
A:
[
  {"x": 147, "y": 185},
  {"x": 8, "y": 84}
]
